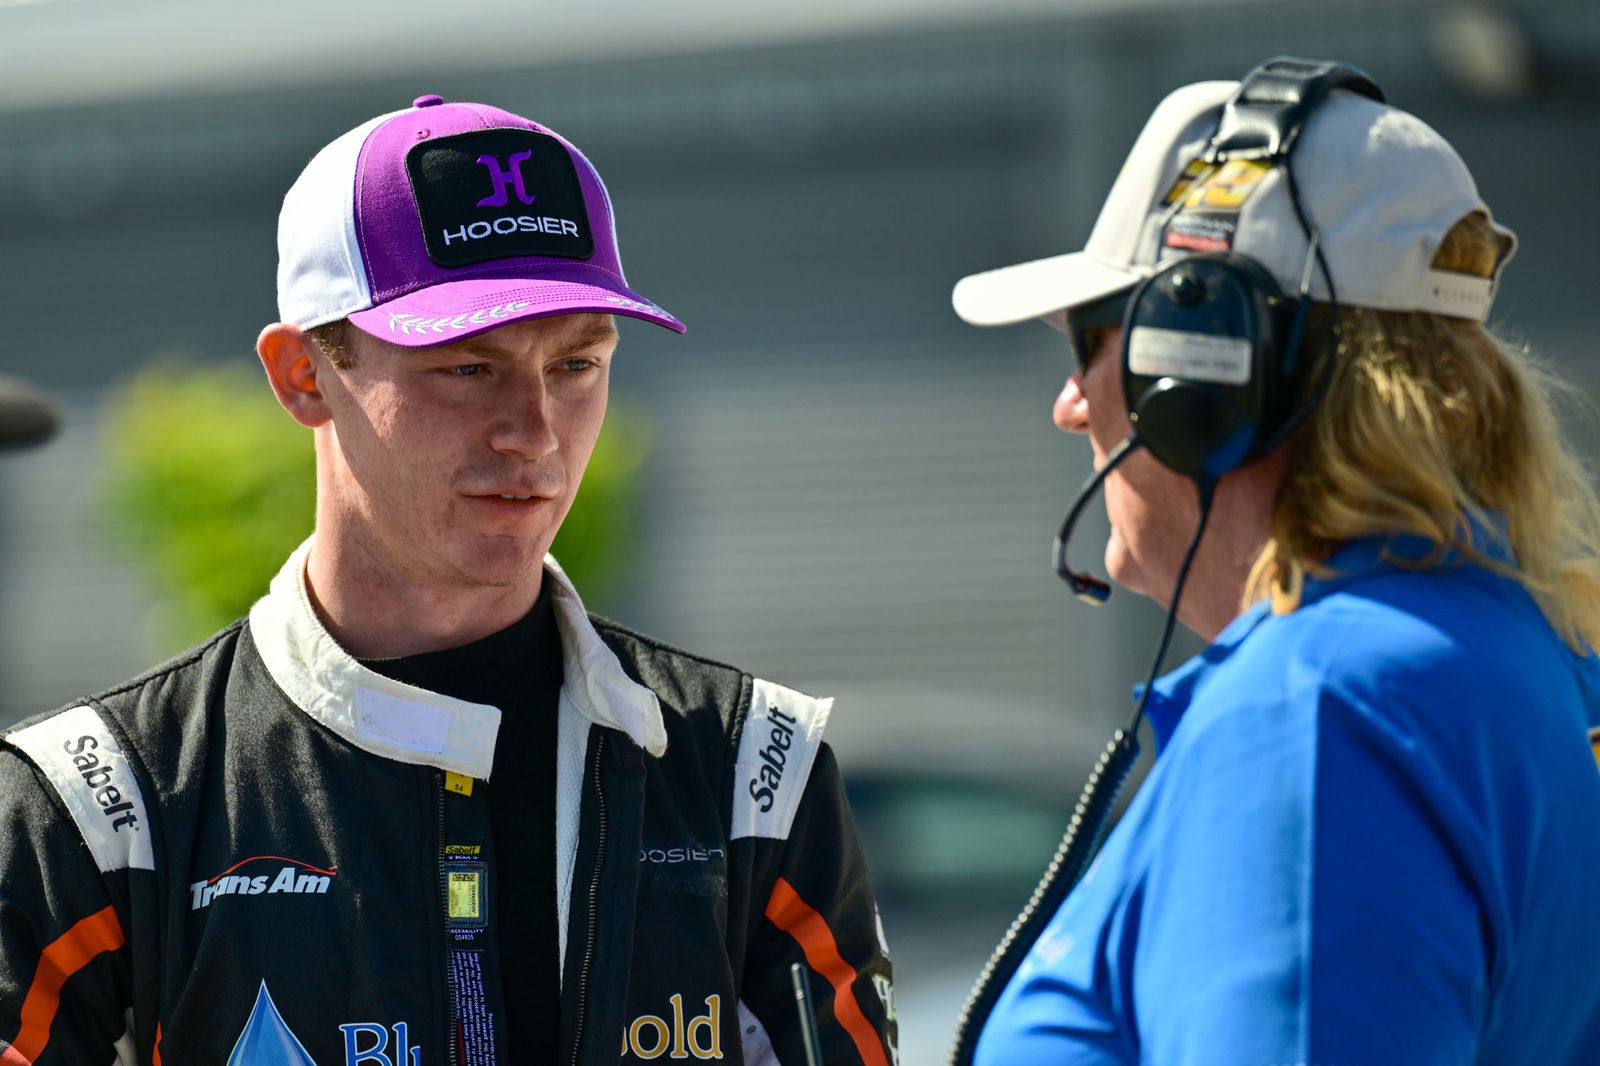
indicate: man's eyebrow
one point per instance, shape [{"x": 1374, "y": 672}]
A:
[
  {"x": 487, "y": 349},
  {"x": 588, "y": 339}
]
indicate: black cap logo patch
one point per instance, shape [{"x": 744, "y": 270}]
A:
[{"x": 494, "y": 194}]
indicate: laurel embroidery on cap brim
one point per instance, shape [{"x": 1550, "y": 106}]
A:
[
  {"x": 408, "y": 323},
  {"x": 635, "y": 304}
]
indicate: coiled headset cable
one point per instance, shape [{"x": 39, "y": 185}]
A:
[{"x": 1087, "y": 828}]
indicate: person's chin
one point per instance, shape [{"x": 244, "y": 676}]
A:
[
  {"x": 1121, "y": 566},
  {"x": 501, "y": 560}
]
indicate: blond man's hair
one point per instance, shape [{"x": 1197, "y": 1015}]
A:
[
  {"x": 334, "y": 340},
  {"x": 1430, "y": 426}
]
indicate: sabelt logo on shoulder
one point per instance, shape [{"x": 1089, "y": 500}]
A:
[
  {"x": 282, "y": 876},
  {"x": 779, "y": 744},
  {"x": 774, "y": 756},
  {"x": 675, "y": 1034},
  {"x": 102, "y": 778}
]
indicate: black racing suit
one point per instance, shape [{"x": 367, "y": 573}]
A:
[{"x": 262, "y": 852}]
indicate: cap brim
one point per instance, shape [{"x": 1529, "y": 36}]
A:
[
  {"x": 26, "y": 417},
  {"x": 457, "y": 310},
  {"x": 1043, "y": 288}
]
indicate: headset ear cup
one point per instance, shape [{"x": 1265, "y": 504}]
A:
[
  {"x": 1194, "y": 430},
  {"x": 1201, "y": 362}
]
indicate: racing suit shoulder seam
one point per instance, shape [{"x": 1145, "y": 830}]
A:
[
  {"x": 184, "y": 658},
  {"x": 98, "y": 700},
  {"x": 607, "y": 626}
]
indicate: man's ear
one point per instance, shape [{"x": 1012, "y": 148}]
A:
[{"x": 291, "y": 359}]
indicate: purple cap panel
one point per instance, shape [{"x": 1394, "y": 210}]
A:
[{"x": 388, "y": 224}]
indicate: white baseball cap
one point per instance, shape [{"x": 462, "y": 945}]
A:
[{"x": 1380, "y": 186}]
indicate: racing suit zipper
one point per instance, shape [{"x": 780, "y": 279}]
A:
[
  {"x": 443, "y": 909},
  {"x": 594, "y": 900}
]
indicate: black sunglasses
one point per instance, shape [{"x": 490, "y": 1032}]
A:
[{"x": 1104, "y": 313}]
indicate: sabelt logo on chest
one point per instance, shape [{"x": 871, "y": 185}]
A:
[
  {"x": 262, "y": 875},
  {"x": 675, "y": 1034}
]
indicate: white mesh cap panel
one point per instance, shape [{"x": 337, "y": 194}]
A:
[{"x": 320, "y": 274}]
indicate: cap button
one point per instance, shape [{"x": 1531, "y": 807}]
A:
[{"x": 427, "y": 101}]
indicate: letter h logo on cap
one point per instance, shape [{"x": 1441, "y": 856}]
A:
[
  {"x": 511, "y": 174},
  {"x": 447, "y": 180}
]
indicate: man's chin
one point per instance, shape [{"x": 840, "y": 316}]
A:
[{"x": 501, "y": 562}]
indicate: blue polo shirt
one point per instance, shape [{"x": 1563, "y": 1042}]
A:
[{"x": 1371, "y": 836}]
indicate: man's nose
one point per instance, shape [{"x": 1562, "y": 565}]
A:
[{"x": 523, "y": 425}]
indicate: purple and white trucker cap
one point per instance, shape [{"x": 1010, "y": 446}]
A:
[{"x": 434, "y": 224}]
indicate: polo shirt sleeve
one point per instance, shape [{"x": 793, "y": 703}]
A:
[{"x": 1302, "y": 903}]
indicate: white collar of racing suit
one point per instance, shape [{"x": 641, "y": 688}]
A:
[{"x": 410, "y": 724}]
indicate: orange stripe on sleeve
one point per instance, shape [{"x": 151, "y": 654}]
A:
[
  {"x": 63, "y": 957},
  {"x": 787, "y": 911}
]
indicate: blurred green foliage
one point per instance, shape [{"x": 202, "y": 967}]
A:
[{"x": 218, "y": 485}]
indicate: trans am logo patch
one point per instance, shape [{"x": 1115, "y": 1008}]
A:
[{"x": 254, "y": 877}]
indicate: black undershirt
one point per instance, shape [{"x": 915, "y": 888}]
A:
[{"x": 519, "y": 671}]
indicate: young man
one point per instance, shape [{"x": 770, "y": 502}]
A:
[
  {"x": 1370, "y": 833},
  {"x": 420, "y": 808}
]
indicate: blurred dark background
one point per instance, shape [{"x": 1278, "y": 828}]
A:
[{"x": 845, "y": 489}]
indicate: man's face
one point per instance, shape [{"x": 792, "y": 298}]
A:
[
  {"x": 455, "y": 466},
  {"x": 1153, "y": 510}
]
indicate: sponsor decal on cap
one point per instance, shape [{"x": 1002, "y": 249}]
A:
[
  {"x": 1199, "y": 233},
  {"x": 496, "y": 194},
  {"x": 1227, "y": 187},
  {"x": 1211, "y": 199},
  {"x": 1186, "y": 178}
]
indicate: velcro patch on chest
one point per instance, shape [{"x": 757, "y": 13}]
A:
[
  {"x": 782, "y": 734},
  {"x": 83, "y": 760}
]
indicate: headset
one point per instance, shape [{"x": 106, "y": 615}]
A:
[
  {"x": 1211, "y": 369},
  {"x": 1211, "y": 355}
]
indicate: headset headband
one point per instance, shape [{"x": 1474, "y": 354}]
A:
[{"x": 1264, "y": 117}]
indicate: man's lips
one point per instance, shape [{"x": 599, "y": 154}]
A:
[{"x": 509, "y": 502}]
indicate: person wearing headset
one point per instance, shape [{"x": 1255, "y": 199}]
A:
[{"x": 1370, "y": 834}]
